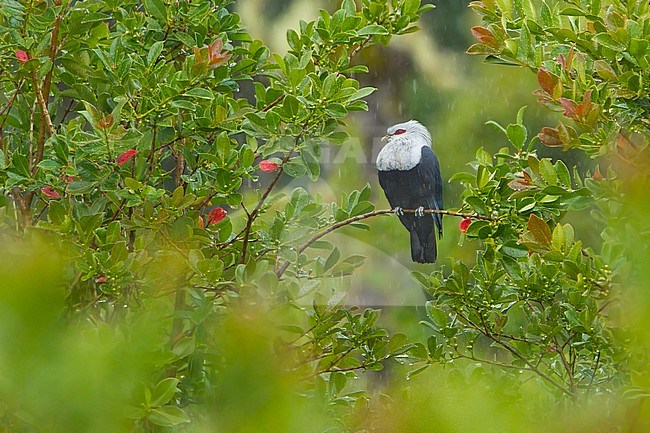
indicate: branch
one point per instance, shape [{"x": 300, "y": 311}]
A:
[
  {"x": 45, "y": 114},
  {"x": 260, "y": 203},
  {"x": 334, "y": 362},
  {"x": 354, "y": 219},
  {"x": 567, "y": 366},
  {"x": 360, "y": 47},
  {"x": 516, "y": 354},
  {"x": 273, "y": 103},
  {"x": 487, "y": 361}
]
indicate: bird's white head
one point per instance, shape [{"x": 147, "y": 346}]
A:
[
  {"x": 403, "y": 148},
  {"x": 409, "y": 131}
]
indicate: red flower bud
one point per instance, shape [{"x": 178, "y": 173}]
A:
[
  {"x": 216, "y": 215},
  {"x": 67, "y": 179},
  {"x": 22, "y": 56},
  {"x": 50, "y": 192},
  {"x": 268, "y": 166},
  {"x": 464, "y": 224},
  {"x": 123, "y": 158},
  {"x": 101, "y": 279}
]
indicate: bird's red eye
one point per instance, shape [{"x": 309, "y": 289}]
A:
[{"x": 399, "y": 131}]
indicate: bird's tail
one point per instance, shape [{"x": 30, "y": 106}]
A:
[{"x": 424, "y": 252}]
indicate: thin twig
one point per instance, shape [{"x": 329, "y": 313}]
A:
[
  {"x": 10, "y": 101},
  {"x": 273, "y": 103},
  {"x": 591, "y": 380},
  {"x": 333, "y": 363},
  {"x": 360, "y": 46},
  {"x": 566, "y": 365},
  {"x": 356, "y": 218},
  {"x": 516, "y": 354},
  {"x": 487, "y": 361},
  {"x": 45, "y": 113},
  {"x": 260, "y": 203}
]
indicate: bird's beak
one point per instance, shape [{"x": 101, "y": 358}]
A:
[{"x": 384, "y": 138}]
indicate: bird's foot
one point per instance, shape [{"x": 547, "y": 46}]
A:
[
  {"x": 419, "y": 212},
  {"x": 399, "y": 211}
]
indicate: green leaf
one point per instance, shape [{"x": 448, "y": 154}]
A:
[
  {"x": 295, "y": 168},
  {"x": 437, "y": 315},
  {"x": 558, "y": 237},
  {"x": 290, "y": 106},
  {"x": 397, "y": 342},
  {"x": 497, "y": 126},
  {"x": 573, "y": 12},
  {"x": 417, "y": 371},
  {"x": 482, "y": 176},
  {"x": 154, "y": 52},
  {"x": 563, "y": 173},
  {"x": 349, "y": 6},
  {"x": 511, "y": 266},
  {"x": 198, "y": 92},
  {"x": 463, "y": 177},
  {"x": 167, "y": 416},
  {"x": 332, "y": 259},
  {"x": 547, "y": 171},
  {"x": 336, "y": 110},
  {"x": 157, "y": 9},
  {"x": 517, "y": 135},
  {"x": 477, "y": 204},
  {"x": 311, "y": 163},
  {"x": 520, "y": 115},
  {"x": 336, "y": 300},
  {"x": 411, "y": 6},
  {"x": 362, "y": 93},
  {"x": 372, "y": 29},
  {"x": 79, "y": 187},
  {"x": 514, "y": 250},
  {"x": 164, "y": 391},
  {"x": 607, "y": 41}
]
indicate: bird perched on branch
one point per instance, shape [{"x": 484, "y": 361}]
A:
[{"x": 409, "y": 173}]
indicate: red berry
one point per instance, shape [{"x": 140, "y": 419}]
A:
[
  {"x": 22, "y": 56},
  {"x": 216, "y": 215},
  {"x": 268, "y": 166},
  {"x": 50, "y": 192},
  {"x": 123, "y": 158},
  {"x": 464, "y": 224}
]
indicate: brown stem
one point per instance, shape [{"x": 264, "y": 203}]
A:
[
  {"x": 333, "y": 363},
  {"x": 360, "y": 46},
  {"x": 353, "y": 219},
  {"x": 45, "y": 115},
  {"x": 568, "y": 367},
  {"x": 273, "y": 103},
  {"x": 595, "y": 371},
  {"x": 260, "y": 203},
  {"x": 10, "y": 101}
]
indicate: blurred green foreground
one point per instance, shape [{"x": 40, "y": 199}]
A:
[{"x": 72, "y": 375}]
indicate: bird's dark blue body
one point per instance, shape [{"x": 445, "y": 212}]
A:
[{"x": 409, "y": 173}]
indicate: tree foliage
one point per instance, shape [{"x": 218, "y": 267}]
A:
[
  {"x": 537, "y": 301},
  {"x": 129, "y": 130}
]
